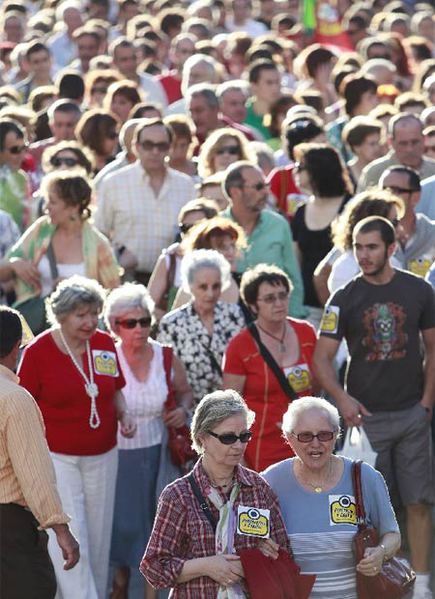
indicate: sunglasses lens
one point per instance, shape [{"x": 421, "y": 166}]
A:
[
  {"x": 144, "y": 322},
  {"x": 245, "y": 437},
  {"x": 228, "y": 439},
  {"x": 305, "y": 437},
  {"x": 325, "y": 436}
]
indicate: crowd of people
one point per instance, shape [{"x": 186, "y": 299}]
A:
[{"x": 212, "y": 218}]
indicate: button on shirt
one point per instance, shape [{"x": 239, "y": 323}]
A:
[{"x": 130, "y": 213}]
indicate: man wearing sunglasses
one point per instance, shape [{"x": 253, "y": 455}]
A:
[
  {"x": 415, "y": 233},
  {"x": 268, "y": 234},
  {"x": 138, "y": 205}
]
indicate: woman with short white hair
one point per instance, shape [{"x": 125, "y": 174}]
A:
[
  {"x": 200, "y": 330},
  {"x": 317, "y": 500},
  {"x": 147, "y": 368}
]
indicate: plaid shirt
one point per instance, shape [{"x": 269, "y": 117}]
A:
[{"x": 182, "y": 532}]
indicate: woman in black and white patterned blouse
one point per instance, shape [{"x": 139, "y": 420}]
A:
[{"x": 200, "y": 330}]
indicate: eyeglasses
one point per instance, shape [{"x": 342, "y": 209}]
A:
[
  {"x": 149, "y": 146},
  {"x": 256, "y": 186},
  {"x": 99, "y": 90},
  {"x": 395, "y": 222},
  {"x": 184, "y": 227},
  {"x": 299, "y": 167},
  {"x": 58, "y": 161},
  {"x": 131, "y": 323},
  {"x": 400, "y": 190},
  {"x": 230, "y": 438},
  {"x": 112, "y": 135},
  {"x": 281, "y": 296},
  {"x": 323, "y": 436},
  {"x": 233, "y": 150},
  {"x": 16, "y": 149}
]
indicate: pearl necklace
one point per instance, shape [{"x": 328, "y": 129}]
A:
[{"x": 91, "y": 387}]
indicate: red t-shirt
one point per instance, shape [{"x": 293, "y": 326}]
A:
[
  {"x": 288, "y": 195},
  {"x": 263, "y": 393},
  {"x": 59, "y": 389}
]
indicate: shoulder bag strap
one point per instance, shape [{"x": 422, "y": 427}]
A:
[
  {"x": 272, "y": 363},
  {"x": 171, "y": 270},
  {"x": 52, "y": 262},
  {"x": 202, "y": 502},
  {"x": 357, "y": 489},
  {"x": 170, "y": 403}
]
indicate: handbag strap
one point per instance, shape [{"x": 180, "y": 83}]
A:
[
  {"x": 272, "y": 363},
  {"x": 357, "y": 489},
  {"x": 202, "y": 502},
  {"x": 52, "y": 261},
  {"x": 170, "y": 403}
]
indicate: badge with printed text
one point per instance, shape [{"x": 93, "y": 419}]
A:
[
  {"x": 420, "y": 266},
  {"x": 253, "y": 522},
  {"x": 298, "y": 377},
  {"x": 329, "y": 322},
  {"x": 342, "y": 509},
  {"x": 105, "y": 362}
]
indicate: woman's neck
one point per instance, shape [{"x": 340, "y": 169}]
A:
[
  {"x": 204, "y": 313},
  {"x": 70, "y": 228},
  {"x": 277, "y": 327},
  {"x": 76, "y": 345},
  {"x": 135, "y": 352},
  {"x": 219, "y": 474}
]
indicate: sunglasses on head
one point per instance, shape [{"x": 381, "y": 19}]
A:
[
  {"x": 17, "y": 149},
  {"x": 230, "y": 438},
  {"x": 184, "y": 227},
  {"x": 308, "y": 437},
  {"x": 131, "y": 323},
  {"x": 233, "y": 150},
  {"x": 58, "y": 161}
]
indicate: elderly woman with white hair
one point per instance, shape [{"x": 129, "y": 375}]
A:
[
  {"x": 196, "y": 553},
  {"x": 200, "y": 330},
  {"x": 73, "y": 373},
  {"x": 318, "y": 502},
  {"x": 147, "y": 367}
]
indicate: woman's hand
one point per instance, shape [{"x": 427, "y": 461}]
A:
[
  {"x": 225, "y": 569},
  {"x": 371, "y": 563},
  {"x": 175, "y": 417},
  {"x": 26, "y": 271},
  {"x": 127, "y": 425},
  {"x": 269, "y": 548}
]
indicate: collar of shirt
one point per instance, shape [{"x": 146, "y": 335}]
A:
[
  {"x": 7, "y": 373},
  {"x": 241, "y": 476}
]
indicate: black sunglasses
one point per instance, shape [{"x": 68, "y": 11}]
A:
[
  {"x": 184, "y": 227},
  {"x": 308, "y": 437},
  {"x": 131, "y": 323},
  {"x": 161, "y": 146},
  {"x": 17, "y": 149},
  {"x": 230, "y": 438},
  {"x": 56, "y": 161},
  {"x": 233, "y": 150}
]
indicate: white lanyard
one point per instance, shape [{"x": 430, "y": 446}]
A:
[{"x": 90, "y": 386}]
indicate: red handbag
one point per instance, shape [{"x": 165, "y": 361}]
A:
[
  {"x": 396, "y": 577},
  {"x": 179, "y": 441}
]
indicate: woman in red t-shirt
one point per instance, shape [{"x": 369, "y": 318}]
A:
[
  {"x": 265, "y": 289},
  {"x": 72, "y": 371}
]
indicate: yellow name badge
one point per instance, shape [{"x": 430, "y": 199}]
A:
[
  {"x": 105, "y": 362},
  {"x": 342, "y": 509},
  {"x": 419, "y": 266},
  {"x": 298, "y": 377},
  {"x": 329, "y": 322},
  {"x": 253, "y": 522}
]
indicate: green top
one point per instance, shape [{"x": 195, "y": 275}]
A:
[
  {"x": 256, "y": 120},
  {"x": 271, "y": 242},
  {"x": 13, "y": 191}
]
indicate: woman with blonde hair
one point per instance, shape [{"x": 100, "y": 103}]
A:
[{"x": 221, "y": 148}]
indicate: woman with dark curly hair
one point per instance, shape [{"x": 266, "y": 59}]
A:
[
  {"x": 121, "y": 97},
  {"x": 98, "y": 131},
  {"x": 321, "y": 174}
]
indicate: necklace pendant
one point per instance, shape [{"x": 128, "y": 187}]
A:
[
  {"x": 92, "y": 389},
  {"x": 282, "y": 348},
  {"x": 318, "y": 489}
]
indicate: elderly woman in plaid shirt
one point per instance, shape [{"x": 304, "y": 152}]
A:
[{"x": 196, "y": 551}]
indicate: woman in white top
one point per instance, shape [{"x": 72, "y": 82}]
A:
[{"x": 128, "y": 315}]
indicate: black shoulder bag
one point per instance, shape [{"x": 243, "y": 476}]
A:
[
  {"x": 272, "y": 363},
  {"x": 202, "y": 501}
]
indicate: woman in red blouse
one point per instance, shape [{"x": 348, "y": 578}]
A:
[
  {"x": 265, "y": 290},
  {"x": 72, "y": 371}
]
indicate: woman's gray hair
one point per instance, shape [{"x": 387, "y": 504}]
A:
[
  {"x": 305, "y": 404},
  {"x": 124, "y": 299},
  {"x": 72, "y": 293},
  {"x": 198, "y": 259},
  {"x": 213, "y": 409}
]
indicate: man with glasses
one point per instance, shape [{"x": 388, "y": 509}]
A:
[
  {"x": 138, "y": 205},
  {"x": 384, "y": 314},
  {"x": 407, "y": 148},
  {"x": 415, "y": 233},
  {"x": 269, "y": 238}
]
